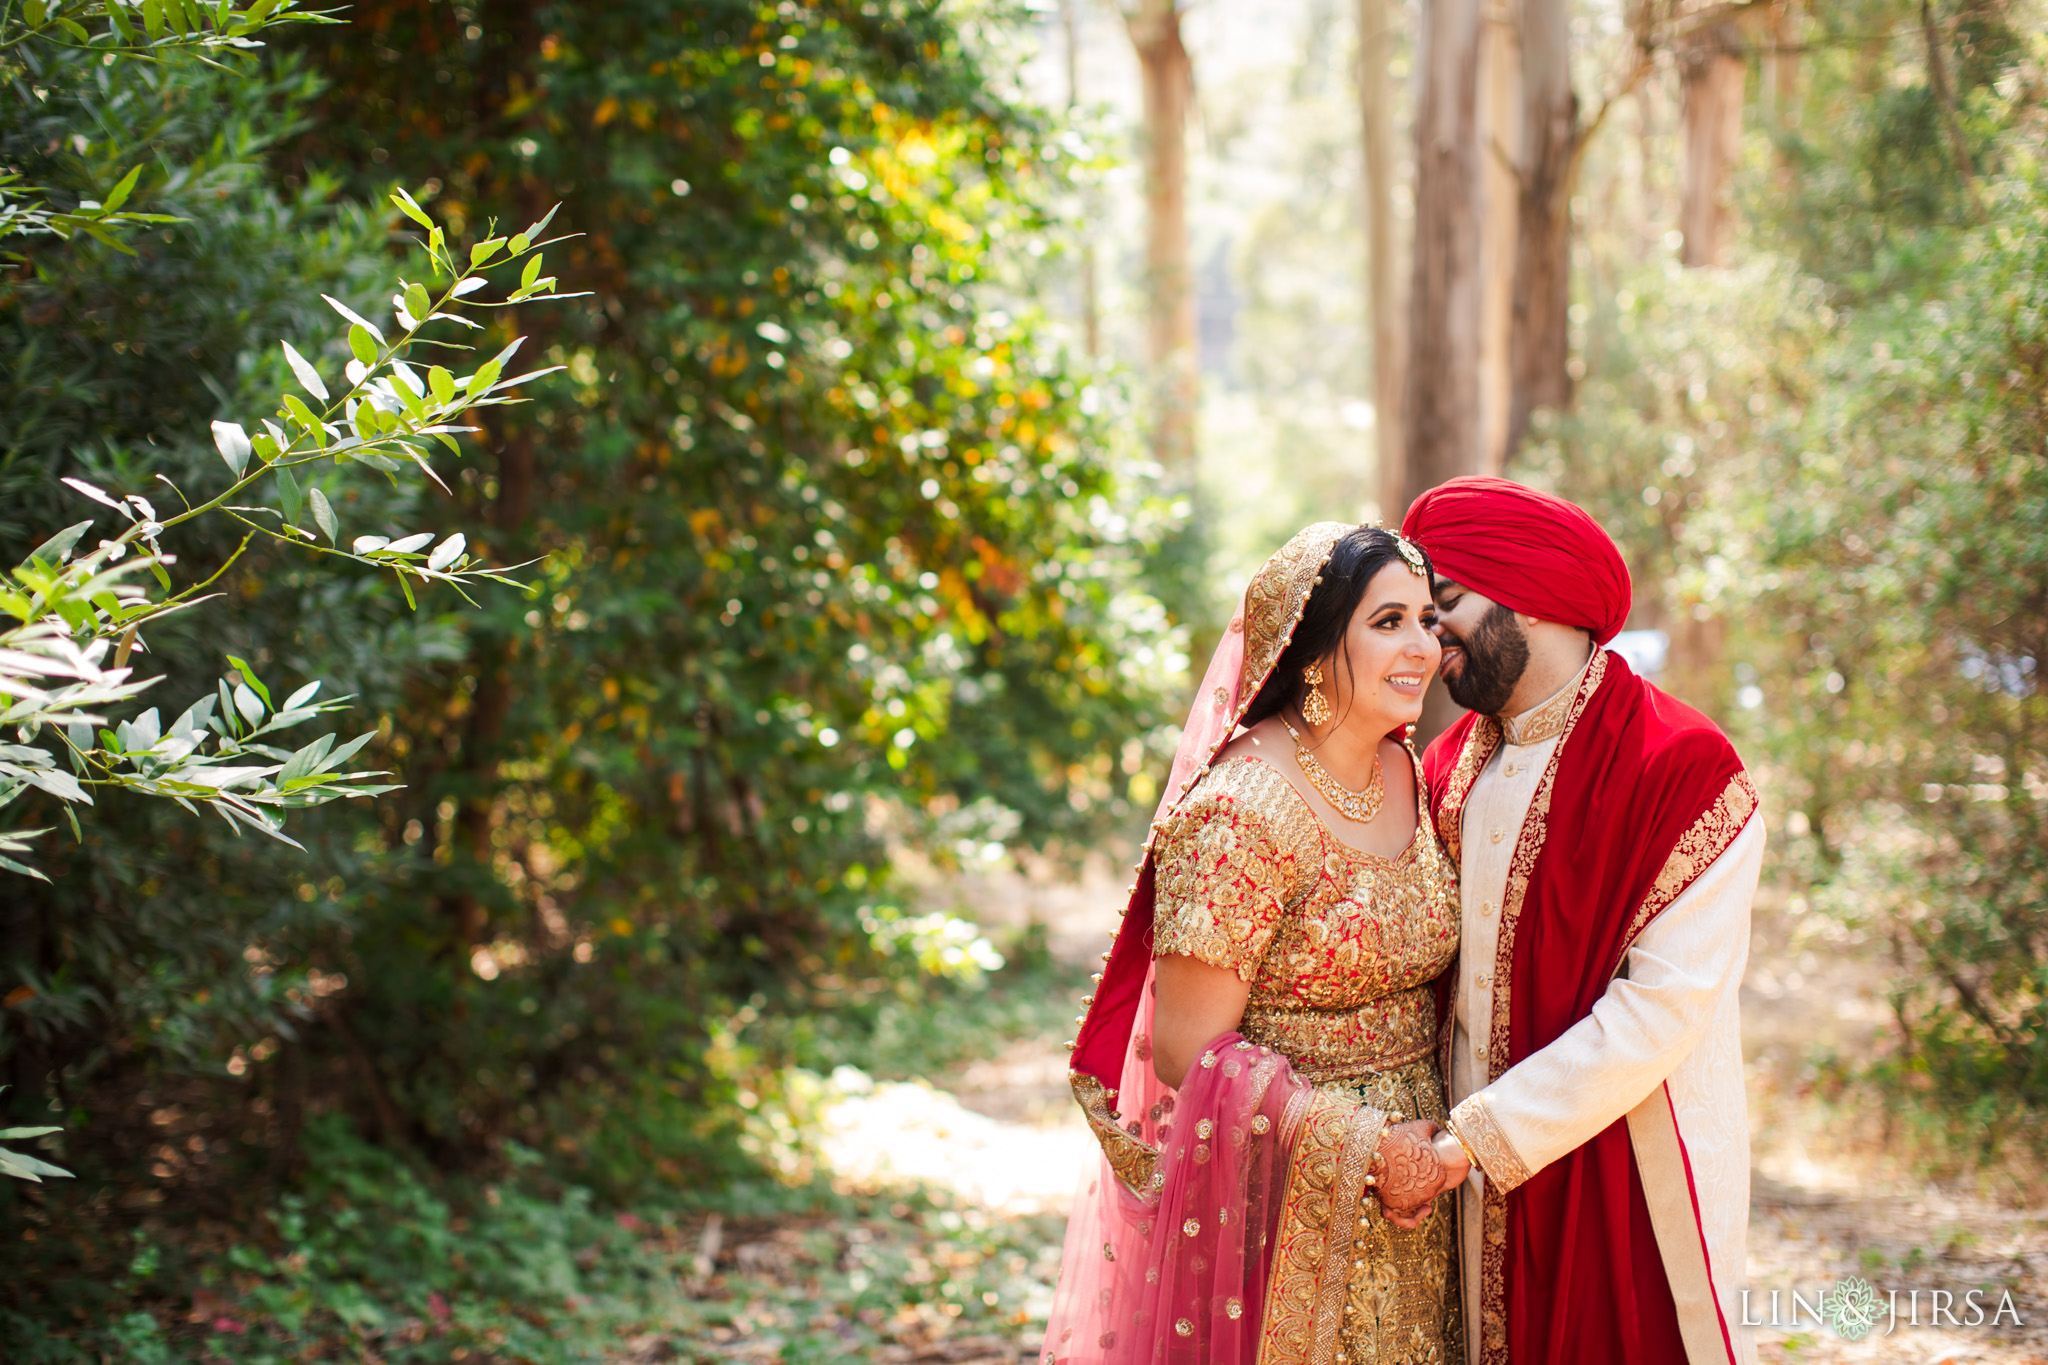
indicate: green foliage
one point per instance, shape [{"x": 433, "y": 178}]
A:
[
  {"x": 834, "y": 557},
  {"x": 836, "y": 554},
  {"x": 72, "y": 608},
  {"x": 1831, "y": 460},
  {"x": 111, "y": 31}
]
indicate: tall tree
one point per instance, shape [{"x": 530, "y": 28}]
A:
[
  {"x": 1383, "y": 250},
  {"x": 1540, "y": 348},
  {"x": 1441, "y": 413},
  {"x": 1553, "y": 147},
  {"x": 1713, "y": 74},
  {"x": 1168, "y": 80}
]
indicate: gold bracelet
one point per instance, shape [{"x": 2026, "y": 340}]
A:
[{"x": 1471, "y": 1159}]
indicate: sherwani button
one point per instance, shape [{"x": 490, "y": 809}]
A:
[
  {"x": 1499, "y": 834},
  {"x": 1488, "y": 909},
  {"x": 1483, "y": 981}
]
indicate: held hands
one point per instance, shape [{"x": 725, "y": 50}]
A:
[{"x": 1417, "y": 1162}]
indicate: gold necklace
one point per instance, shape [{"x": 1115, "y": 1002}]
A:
[{"x": 1359, "y": 806}]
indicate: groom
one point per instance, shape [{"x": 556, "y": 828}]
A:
[{"x": 1608, "y": 845}]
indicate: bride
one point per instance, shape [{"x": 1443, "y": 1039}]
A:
[{"x": 1260, "y": 1058}]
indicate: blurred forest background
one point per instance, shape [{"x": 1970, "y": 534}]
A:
[{"x": 933, "y": 378}]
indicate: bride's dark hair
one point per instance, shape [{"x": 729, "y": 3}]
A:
[{"x": 1359, "y": 556}]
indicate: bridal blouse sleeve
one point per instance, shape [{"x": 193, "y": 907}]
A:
[
  {"x": 1222, "y": 884},
  {"x": 1678, "y": 971}
]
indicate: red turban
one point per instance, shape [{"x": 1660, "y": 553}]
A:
[{"x": 1532, "y": 552}]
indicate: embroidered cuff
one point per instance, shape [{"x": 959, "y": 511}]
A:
[{"x": 1473, "y": 1122}]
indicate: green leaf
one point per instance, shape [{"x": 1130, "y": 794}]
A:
[
  {"x": 58, "y": 547},
  {"x": 24, "y": 1167},
  {"x": 233, "y": 444},
  {"x": 443, "y": 385},
  {"x": 323, "y": 513},
  {"x": 542, "y": 226},
  {"x": 417, "y": 302},
  {"x": 119, "y": 15},
  {"x": 119, "y": 195},
  {"x": 362, "y": 343},
  {"x": 36, "y": 13},
  {"x": 288, "y": 494},
  {"x": 309, "y": 378},
  {"x": 296, "y": 406},
  {"x": 532, "y": 271},
  {"x": 412, "y": 210},
  {"x": 249, "y": 677},
  {"x": 16, "y": 1134}
]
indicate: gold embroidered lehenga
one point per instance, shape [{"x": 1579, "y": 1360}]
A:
[
  {"x": 1339, "y": 947},
  {"x": 1229, "y": 1223}
]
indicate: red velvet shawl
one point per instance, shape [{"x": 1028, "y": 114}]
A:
[{"x": 1642, "y": 794}]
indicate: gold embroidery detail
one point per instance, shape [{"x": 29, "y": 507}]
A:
[
  {"x": 1480, "y": 742},
  {"x": 1474, "y": 1124},
  {"x": 1276, "y": 597},
  {"x": 1546, "y": 719},
  {"x": 1338, "y": 964},
  {"x": 1134, "y": 1162},
  {"x": 1338, "y": 1137},
  {"x": 1695, "y": 852},
  {"x": 1378, "y": 1035},
  {"x": 1535, "y": 828}
]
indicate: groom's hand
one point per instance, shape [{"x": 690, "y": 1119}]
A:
[{"x": 1411, "y": 1172}]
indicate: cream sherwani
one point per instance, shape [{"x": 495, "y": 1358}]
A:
[{"x": 1662, "y": 1047}]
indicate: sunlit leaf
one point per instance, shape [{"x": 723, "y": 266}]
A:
[
  {"x": 233, "y": 443},
  {"x": 309, "y": 378},
  {"x": 323, "y": 515}
]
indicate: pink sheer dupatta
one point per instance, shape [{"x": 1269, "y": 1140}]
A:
[
  {"x": 1170, "y": 1246},
  {"x": 1179, "y": 1273}
]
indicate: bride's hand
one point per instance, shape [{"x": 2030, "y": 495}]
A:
[{"x": 1411, "y": 1172}]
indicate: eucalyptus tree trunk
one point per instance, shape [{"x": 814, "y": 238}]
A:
[
  {"x": 1712, "y": 74},
  {"x": 1383, "y": 252},
  {"x": 1441, "y": 413},
  {"x": 1168, "y": 82},
  {"x": 1540, "y": 336},
  {"x": 1500, "y": 133}
]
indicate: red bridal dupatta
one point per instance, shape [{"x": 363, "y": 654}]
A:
[
  {"x": 1641, "y": 796},
  {"x": 1216, "y": 1230}
]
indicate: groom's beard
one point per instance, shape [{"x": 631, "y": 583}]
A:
[{"x": 1496, "y": 654}]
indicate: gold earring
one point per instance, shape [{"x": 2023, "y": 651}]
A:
[{"x": 1315, "y": 707}]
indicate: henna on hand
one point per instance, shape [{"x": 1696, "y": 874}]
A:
[{"x": 1410, "y": 1171}]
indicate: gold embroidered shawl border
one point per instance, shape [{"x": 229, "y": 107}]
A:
[
  {"x": 1696, "y": 851},
  {"x": 1480, "y": 742},
  {"x": 1529, "y": 847},
  {"x": 1310, "y": 1273}
]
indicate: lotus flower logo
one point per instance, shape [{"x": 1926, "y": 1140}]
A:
[{"x": 1852, "y": 1308}]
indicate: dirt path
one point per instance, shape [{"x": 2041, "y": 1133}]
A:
[{"x": 1002, "y": 1136}]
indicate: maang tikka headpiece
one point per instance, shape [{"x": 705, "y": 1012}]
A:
[{"x": 1411, "y": 554}]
